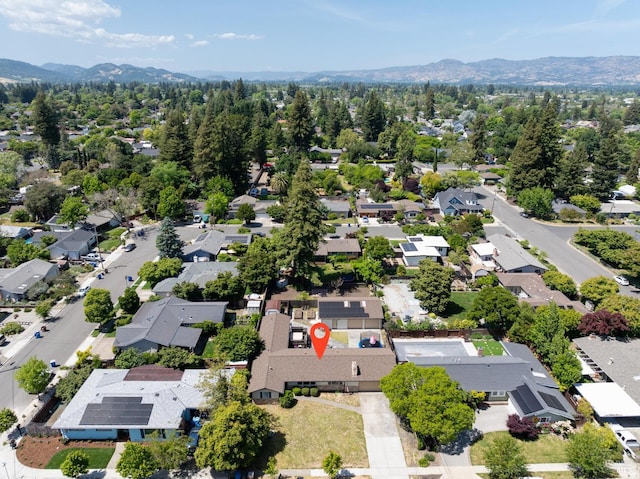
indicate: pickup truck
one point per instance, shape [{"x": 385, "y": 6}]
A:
[{"x": 629, "y": 443}]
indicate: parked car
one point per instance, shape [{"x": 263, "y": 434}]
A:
[
  {"x": 629, "y": 442},
  {"x": 129, "y": 247},
  {"x": 92, "y": 257},
  {"x": 621, "y": 280},
  {"x": 82, "y": 292},
  {"x": 524, "y": 214}
]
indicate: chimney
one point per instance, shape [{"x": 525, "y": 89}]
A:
[{"x": 354, "y": 369}]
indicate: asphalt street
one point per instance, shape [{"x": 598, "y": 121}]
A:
[
  {"x": 70, "y": 329},
  {"x": 553, "y": 240}
]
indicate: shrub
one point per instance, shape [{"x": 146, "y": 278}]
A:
[
  {"x": 287, "y": 400},
  {"x": 422, "y": 443},
  {"x": 314, "y": 392},
  {"x": 123, "y": 320},
  {"x": 11, "y": 328},
  {"x": 297, "y": 391},
  {"x": 7, "y": 419},
  {"x": 423, "y": 462},
  {"x": 243, "y": 230},
  {"x": 20, "y": 215},
  {"x": 522, "y": 428},
  {"x": 305, "y": 391},
  {"x": 401, "y": 270}
]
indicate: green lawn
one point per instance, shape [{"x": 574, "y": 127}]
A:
[
  {"x": 98, "y": 457},
  {"x": 461, "y": 302},
  {"x": 109, "y": 244},
  {"x": 115, "y": 233},
  {"x": 490, "y": 347},
  {"x": 208, "y": 350},
  {"x": 547, "y": 448}
]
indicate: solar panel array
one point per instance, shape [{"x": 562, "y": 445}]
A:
[
  {"x": 201, "y": 237},
  {"x": 236, "y": 239},
  {"x": 127, "y": 411},
  {"x": 337, "y": 309},
  {"x": 415, "y": 239},
  {"x": 525, "y": 398},
  {"x": 409, "y": 247},
  {"x": 552, "y": 401},
  {"x": 376, "y": 206}
]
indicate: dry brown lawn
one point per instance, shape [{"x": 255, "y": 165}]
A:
[{"x": 307, "y": 432}]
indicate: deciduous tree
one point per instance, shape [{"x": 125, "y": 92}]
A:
[
  {"x": 258, "y": 265},
  {"x": 238, "y": 343},
  {"x": 18, "y": 251},
  {"x": 154, "y": 272},
  {"x": 44, "y": 200},
  {"x": 7, "y": 419},
  {"x": 33, "y": 376},
  {"x": 234, "y": 437},
  {"x": 378, "y": 248},
  {"x": 603, "y": 323},
  {"x": 246, "y": 213},
  {"x": 560, "y": 282},
  {"x": 332, "y": 464},
  {"x": 73, "y": 211},
  {"x": 169, "y": 453},
  {"x": 497, "y": 306},
  {"x": 504, "y": 459},
  {"x": 434, "y": 405},
  {"x": 226, "y": 287},
  {"x": 598, "y": 288},
  {"x": 136, "y": 461},
  {"x": 187, "y": 290},
  {"x": 587, "y": 454},
  {"x": 432, "y": 286},
  {"x": 75, "y": 464},
  {"x": 536, "y": 200},
  {"x": 98, "y": 307},
  {"x": 628, "y": 306},
  {"x": 129, "y": 302}
]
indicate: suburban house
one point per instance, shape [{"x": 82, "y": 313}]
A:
[
  {"x": 455, "y": 201},
  {"x": 530, "y": 288},
  {"x": 481, "y": 259},
  {"x": 510, "y": 257},
  {"x": 133, "y": 403},
  {"x": 611, "y": 363},
  {"x": 351, "y": 313},
  {"x": 259, "y": 206},
  {"x": 103, "y": 220},
  {"x": 15, "y": 232},
  {"x": 489, "y": 178},
  {"x": 421, "y": 247},
  {"x": 70, "y": 244},
  {"x": 167, "y": 323},
  {"x": 15, "y": 282},
  {"x": 348, "y": 247},
  {"x": 516, "y": 376},
  {"x": 558, "y": 205},
  {"x": 199, "y": 273},
  {"x": 207, "y": 246},
  {"x": 282, "y": 366},
  {"x": 339, "y": 207},
  {"x": 386, "y": 211}
]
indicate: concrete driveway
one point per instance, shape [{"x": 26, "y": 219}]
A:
[
  {"x": 386, "y": 457},
  {"x": 493, "y": 418}
]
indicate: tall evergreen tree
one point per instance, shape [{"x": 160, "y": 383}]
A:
[
  {"x": 606, "y": 159},
  {"x": 373, "y": 117},
  {"x": 303, "y": 225},
  {"x": 479, "y": 138},
  {"x": 535, "y": 158},
  {"x": 572, "y": 171},
  {"x": 299, "y": 122},
  {"x": 168, "y": 242},
  {"x": 634, "y": 169},
  {"x": 45, "y": 124},
  {"x": 429, "y": 109},
  {"x": 175, "y": 144}
]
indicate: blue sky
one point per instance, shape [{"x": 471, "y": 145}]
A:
[{"x": 311, "y": 35}]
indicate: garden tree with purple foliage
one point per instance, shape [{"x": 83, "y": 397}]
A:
[
  {"x": 522, "y": 428},
  {"x": 603, "y": 323}
]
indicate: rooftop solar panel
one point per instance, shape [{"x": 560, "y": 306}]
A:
[
  {"x": 525, "y": 399},
  {"x": 408, "y": 247},
  {"x": 200, "y": 238},
  {"x": 415, "y": 239},
  {"x": 552, "y": 401},
  {"x": 376, "y": 206},
  {"x": 236, "y": 238},
  {"x": 337, "y": 309},
  {"x": 117, "y": 411}
]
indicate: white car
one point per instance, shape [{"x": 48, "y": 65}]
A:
[
  {"x": 621, "y": 280},
  {"x": 82, "y": 292},
  {"x": 92, "y": 257}
]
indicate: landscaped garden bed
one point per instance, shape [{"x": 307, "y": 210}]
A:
[{"x": 38, "y": 452}]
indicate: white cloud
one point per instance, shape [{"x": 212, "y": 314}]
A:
[
  {"x": 237, "y": 36},
  {"x": 189, "y": 36},
  {"x": 75, "y": 19},
  {"x": 199, "y": 43}
]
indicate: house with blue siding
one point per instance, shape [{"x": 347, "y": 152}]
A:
[
  {"x": 133, "y": 403},
  {"x": 456, "y": 201}
]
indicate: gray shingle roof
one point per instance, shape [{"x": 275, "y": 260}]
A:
[
  {"x": 198, "y": 273},
  {"x": 336, "y": 246},
  {"x": 161, "y": 322},
  {"x": 511, "y": 256},
  {"x": 459, "y": 199},
  {"x": 18, "y": 280}
]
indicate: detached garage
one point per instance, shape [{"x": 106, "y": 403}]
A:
[{"x": 353, "y": 313}]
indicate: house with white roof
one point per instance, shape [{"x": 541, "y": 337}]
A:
[
  {"x": 421, "y": 247},
  {"x": 510, "y": 257},
  {"x": 132, "y": 403}
]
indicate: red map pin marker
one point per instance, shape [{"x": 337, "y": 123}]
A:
[{"x": 320, "y": 333}]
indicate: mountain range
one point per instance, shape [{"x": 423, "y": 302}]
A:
[{"x": 548, "y": 71}]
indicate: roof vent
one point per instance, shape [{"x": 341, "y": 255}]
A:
[
  {"x": 354, "y": 368},
  {"x": 346, "y": 304}
]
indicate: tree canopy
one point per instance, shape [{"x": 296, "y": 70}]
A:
[
  {"x": 432, "y": 286},
  {"x": 33, "y": 376}
]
